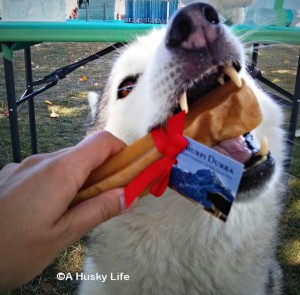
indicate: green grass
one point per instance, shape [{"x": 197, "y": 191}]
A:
[
  {"x": 69, "y": 100},
  {"x": 69, "y": 97}
]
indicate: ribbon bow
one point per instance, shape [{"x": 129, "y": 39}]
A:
[{"x": 169, "y": 143}]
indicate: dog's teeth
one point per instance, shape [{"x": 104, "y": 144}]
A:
[
  {"x": 233, "y": 75},
  {"x": 221, "y": 80},
  {"x": 183, "y": 103},
  {"x": 264, "y": 147}
]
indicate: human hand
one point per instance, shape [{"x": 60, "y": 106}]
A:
[{"x": 36, "y": 223}]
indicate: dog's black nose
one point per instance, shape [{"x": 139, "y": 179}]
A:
[{"x": 193, "y": 27}]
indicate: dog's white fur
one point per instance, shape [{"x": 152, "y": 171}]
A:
[{"x": 168, "y": 245}]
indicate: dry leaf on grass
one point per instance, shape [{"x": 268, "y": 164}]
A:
[
  {"x": 48, "y": 102},
  {"x": 47, "y": 287},
  {"x": 83, "y": 78},
  {"x": 54, "y": 115},
  {"x": 4, "y": 113}
]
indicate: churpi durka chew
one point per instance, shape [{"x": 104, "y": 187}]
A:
[{"x": 223, "y": 113}]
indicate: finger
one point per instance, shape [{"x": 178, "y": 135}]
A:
[
  {"x": 100, "y": 146},
  {"x": 8, "y": 168},
  {"x": 7, "y": 171},
  {"x": 92, "y": 152},
  {"x": 79, "y": 161},
  {"x": 88, "y": 214},
  {"x": 30, "y": 162}
]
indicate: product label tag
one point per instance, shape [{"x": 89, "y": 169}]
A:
[{"x": 207, "y": 177}]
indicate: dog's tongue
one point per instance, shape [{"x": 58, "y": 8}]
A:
[{"x": 234, "y": 148}]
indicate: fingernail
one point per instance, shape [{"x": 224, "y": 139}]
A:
[{"x": 122, "y": 202}]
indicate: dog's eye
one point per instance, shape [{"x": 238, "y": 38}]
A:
[{"x": 126, "y": 86}]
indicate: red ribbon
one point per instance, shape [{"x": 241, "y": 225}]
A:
[{"x": 169, "y": 143}]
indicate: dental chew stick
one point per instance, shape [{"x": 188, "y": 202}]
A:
[{"x": 225, "y": 112}]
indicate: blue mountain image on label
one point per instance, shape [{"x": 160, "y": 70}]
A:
[{"x": 203, "y": 187}]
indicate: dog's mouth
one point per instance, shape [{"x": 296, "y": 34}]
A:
[
  {"x": 257, "y": 160},
  {"x": 217, "y": 76}
]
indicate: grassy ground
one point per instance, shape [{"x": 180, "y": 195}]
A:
[
  {"x": 69, "y": 98},
  {"x": 69, "y": 102},
  {"x": 278, "y": 63}
]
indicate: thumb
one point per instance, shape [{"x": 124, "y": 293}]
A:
[{"x": 78, "y": 220}]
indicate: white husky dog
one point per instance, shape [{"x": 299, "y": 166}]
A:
[{"x": 168, "y": 245}]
